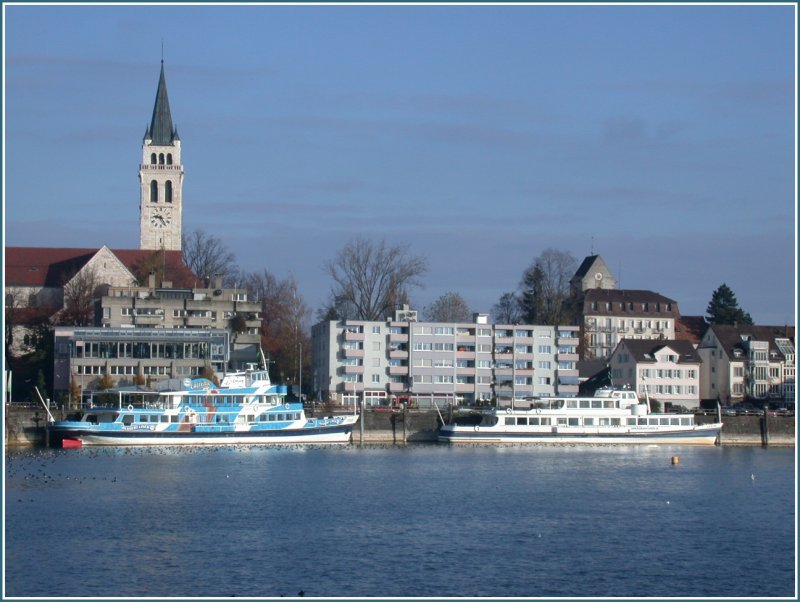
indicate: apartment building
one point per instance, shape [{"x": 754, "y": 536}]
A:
[
  {"x": 211, "y": 307},
  {"x": 667, "y": 371},
  {"x": 439, "y": 363},
  {"x": 610, "y": 315},
  {"x": 748, "y": 363}
]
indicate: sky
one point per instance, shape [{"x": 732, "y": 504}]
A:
[{"x": 661, "y": 137}]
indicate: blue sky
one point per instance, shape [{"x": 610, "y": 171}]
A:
[{"x": 660, "y": 137}]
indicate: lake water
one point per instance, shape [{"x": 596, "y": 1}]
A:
[{"x": 421, "y": 520}]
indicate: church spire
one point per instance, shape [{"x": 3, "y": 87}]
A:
[{"x": 161, "y": 132}]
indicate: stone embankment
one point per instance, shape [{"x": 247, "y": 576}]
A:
[{"x": 25, "y": 426}]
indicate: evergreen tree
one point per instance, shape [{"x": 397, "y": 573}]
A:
[{"x": 724, "y": 309}]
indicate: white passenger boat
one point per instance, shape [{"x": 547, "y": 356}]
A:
[
  {"x": 246, "y": 408},
  {"x": 611, "y": 416}
]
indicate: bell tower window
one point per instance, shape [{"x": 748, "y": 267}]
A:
[
  {"x": 153, "y": 191},
  {"x": 153, "y": 159},
  {"x": 161, "y": 158},
  {"x": 168, "y": 192},
  {"x": 169, "y": 158}
]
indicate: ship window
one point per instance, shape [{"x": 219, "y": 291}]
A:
[
  {"x": 664, "y": 421},
  {"x": 653, "y": 421},
  {"x": 675, "y": 421},
  {"x": 631, "y": 421},
  {"x": 572, "y": 403},
  {"x": 127, "y": 419},
  {"x": 545, "y": 421},
  {"x": 573, "y": 421},
  {"x": 604, "y": 421},
  {"x": 164, "y": 418},
  {"x": 173, "y": 418},
  {"x": 686, "y": 421},
  {"x": 584, "y": 404},
  {"x": 562, "y": 421},
  {"x": 642, "y": 422},
  {"x": 588, "y": 422},
  {"x": 533, "y": 421},
  {"x": 608, "y": 403},
  {"x": 143, "y": 418},
  {"x": 522, "y": 421},
  {"x": 272, "y": 417},
  {"x": 509, "y": 420},
  {"x": 597, "y": 403}
]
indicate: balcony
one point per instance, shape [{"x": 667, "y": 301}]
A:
[
  {"x": 398, "y": 370},
  {"x": 353, "y": 336},
  {"x": 398, "y": 337},
  {"x": 353, "y": 352},
  {"x": 348, "y": 369}
]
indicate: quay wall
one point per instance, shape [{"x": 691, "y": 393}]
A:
[{"x": 24, "y": 425}]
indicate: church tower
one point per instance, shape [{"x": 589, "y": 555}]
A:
[{"x": 161, "y": 179}]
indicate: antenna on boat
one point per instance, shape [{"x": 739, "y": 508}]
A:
[
  {"x": 646, "y": 396},
  {"x": 47, "y": 409}
]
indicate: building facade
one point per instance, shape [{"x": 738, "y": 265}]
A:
[
  {"x": 667, "y": 371},
  {"x": 610, "y": 315},
  {"x": 161, "y": 179},
  {"x": 754, "y": 363},
  {"x": 431, "y": 362},
  {"x": 131, "y": 356},
  {"x": 165, "y": 307}
]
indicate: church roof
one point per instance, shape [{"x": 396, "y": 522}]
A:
[
  {"x": 161, "y": 131},
  {"x": 587, "y": 263},
  {"x": 52, "y": 267}
]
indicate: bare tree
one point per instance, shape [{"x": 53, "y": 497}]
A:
[
  {"x": 371, "y": 279},
  {"x": 206, "y": 255},
  {"x": 80, "y": 293},
  {"x": 450, "y": 307},
  {"x": 508, "y": 309},
  {"x": 284, "y": 316},
  {"x": 545, "y": 288}
]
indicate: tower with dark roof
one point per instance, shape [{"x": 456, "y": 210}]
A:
[{"x": 161, "y": 178}]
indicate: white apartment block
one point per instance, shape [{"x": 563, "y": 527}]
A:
[
  {"x": 748, "y": 363},
  {"x": 667, "y": 371},
  {"x": 442, "y": 363}
]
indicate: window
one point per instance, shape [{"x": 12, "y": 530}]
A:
[
  {"x": 153, "y": 191},
  {"x": 376, "y": 378},
  {"x": 168, "y": 192},
  {"x": 376, "y": 330}
]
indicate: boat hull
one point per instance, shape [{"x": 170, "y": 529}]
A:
[
  {"x": 328, "y": 434},
  {"x": 704, "y": 435}
]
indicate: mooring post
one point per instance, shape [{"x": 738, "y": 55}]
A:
[
  {"x": 405, "y": 420},
  {"x": 361, "y": 425},
  {"x": 765, "y": 427}
]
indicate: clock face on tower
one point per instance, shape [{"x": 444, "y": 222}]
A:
[{"x": 160, "y": 217}]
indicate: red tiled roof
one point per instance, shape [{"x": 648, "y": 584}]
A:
[{"x": 52, "y": 267}]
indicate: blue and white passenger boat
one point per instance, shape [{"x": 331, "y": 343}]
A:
[
  {"x": 611, "y": 416},
  {"x": 246, "y": 408}
]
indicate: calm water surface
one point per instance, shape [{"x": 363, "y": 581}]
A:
[{"x": 422, "y": 520}]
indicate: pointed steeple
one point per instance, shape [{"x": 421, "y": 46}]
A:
[{"x": 161, "y": 132}]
